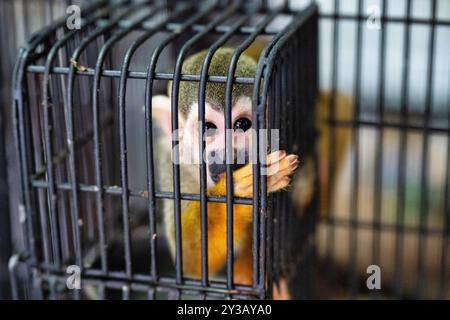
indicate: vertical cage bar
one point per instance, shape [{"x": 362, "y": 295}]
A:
[
  {"x": 331, "y": 122},
  {"x": 401, "y": 177},
  {"x": 57, "y": 86},
  {"x": 355, "y": 173},
  {"x": 21, "y": 136},
  {"x": 424, "y": 201},
  {"x": 274, "y": 118},
  {"x": 379, "y": 147},
  {"x": 274, "y": 269}
]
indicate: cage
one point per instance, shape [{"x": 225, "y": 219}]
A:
[
  {"x": 77, "y": 146},
  {"x": 380, "y": 188}
]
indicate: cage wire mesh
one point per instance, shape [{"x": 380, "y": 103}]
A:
[{"x": 385, "y": 160}]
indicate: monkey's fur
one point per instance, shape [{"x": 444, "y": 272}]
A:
[{"x": 215, "y": 92}]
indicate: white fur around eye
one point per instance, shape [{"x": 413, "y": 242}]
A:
[{"x": 242, "y": 109}]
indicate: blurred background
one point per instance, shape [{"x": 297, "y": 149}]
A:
[{"x": 389, "y": 204}]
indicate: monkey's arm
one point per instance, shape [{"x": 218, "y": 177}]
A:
[{"x": 280, "y": 167}]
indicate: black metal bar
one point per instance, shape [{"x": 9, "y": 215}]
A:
[
  {"x": 279, "y": 221},
  {"x": 139, "y": 75},
  {"x": 424, "y": 201},
  {"x": 353, "y": 240},
  {"x": 330, "y": 241},
  {"x": 379, "y": 148},
  {"x": 6, "y": 245},
  {"x": 273, "y": 263},
  {"x": 114, "y": 190},
  {"x": 90, "y": 275},
  {"x": 5, "y": 226},
  {"x": 57, "y": 85}
]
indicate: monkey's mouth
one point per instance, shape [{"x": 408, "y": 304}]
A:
[{"x": 217, "y": 177}]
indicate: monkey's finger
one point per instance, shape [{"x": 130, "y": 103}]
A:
[
  {"x": 272, "y": 159},
  {"x": 283, "y": 173},
  {"x": 278, "y": 185},
  {"x": 285, "y": 165},
  {"x": 273, "y": 184},
  {"x": 275, "y": 157},
  {"x": 281, "y": 165},
  {"x": 277, "y": 181},
  {"x": 244, "y": 187}
]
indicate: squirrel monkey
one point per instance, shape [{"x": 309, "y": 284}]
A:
[{"x": 280, "y": 166}]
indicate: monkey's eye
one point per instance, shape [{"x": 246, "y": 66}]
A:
[
  {"x": 210, "y": 129},
  {"x": 242, "y": 124}
]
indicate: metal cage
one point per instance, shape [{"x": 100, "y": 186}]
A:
[
  {"x": 74, "y": 92},
  {"x": 387, "y": 196}
]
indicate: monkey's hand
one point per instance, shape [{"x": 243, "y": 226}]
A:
[{"x": 278, "y": 168}]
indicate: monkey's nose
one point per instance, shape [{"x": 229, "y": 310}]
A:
[{"x": 216, "y": 170}]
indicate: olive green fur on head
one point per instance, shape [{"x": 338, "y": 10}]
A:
[{"x": 215, "y": 92}]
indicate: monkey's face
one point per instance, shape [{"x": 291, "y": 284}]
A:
[
  {"x": 215, "y": 154},
  {"x": 189, "y": 137}
]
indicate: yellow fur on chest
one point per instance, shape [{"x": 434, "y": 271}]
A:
[{"x": 217, "y": 232}]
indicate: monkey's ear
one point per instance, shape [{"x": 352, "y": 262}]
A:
[{"x": 162, "y": 113}]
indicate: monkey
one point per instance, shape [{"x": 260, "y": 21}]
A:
[{"x": 280, "y": 165}]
